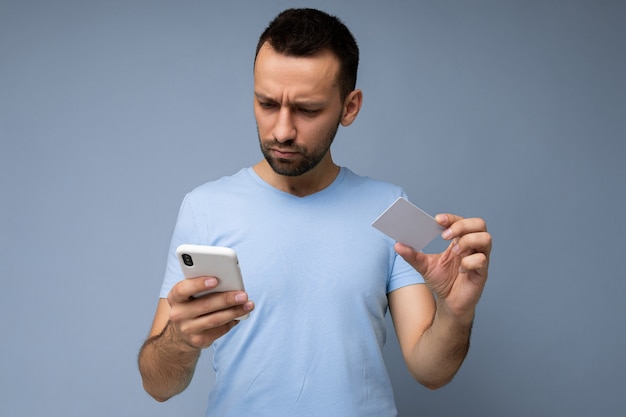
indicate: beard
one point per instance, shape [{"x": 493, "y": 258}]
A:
[{"x": 306, "y": 159}]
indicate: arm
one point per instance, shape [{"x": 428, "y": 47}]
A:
[
  {"x": 166, "y": 362},
  {"x": 182, "y": 327},
  {"x": 433, "y": 346},
  {"x": 434, "y": 335}
]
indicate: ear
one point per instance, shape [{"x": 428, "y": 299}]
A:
[{"x": 351, "y": 107}]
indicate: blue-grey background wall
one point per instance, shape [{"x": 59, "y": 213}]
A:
[{"x": 510, "y": 110}]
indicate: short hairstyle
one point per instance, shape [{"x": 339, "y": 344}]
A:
[{"x": 306, "y": 32}]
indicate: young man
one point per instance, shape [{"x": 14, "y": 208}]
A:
[{"x": 320, "y": 276}]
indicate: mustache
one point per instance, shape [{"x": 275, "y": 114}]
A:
[{"x": 287, "y": 146}]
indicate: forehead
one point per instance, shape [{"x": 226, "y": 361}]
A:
[{"x": 276, "y": 73}]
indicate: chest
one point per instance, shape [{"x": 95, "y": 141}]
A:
[{"x": 306, "y": 252}]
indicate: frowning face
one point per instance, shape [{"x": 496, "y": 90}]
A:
[{"x": 298, "y": 109}]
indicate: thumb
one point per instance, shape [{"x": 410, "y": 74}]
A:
[{"x": 416, "y": 259}]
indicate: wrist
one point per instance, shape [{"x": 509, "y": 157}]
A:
[
  {"x": 454, "y": 317},
  {"x": 173, "y": 335}
]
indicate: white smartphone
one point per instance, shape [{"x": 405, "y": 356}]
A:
[{"x": 211, "y": 261}]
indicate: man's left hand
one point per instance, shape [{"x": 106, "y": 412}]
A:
[{"x": 457, "y": 275}]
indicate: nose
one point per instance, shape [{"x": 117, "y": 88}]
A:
[{"x": 284, "y": 130}]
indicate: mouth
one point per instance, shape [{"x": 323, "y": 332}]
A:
[{"x": 283, "y": 153}]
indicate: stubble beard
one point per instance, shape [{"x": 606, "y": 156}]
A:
[{"x": 307, "y": 160}]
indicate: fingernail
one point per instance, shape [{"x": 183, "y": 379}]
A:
[
  {"x": 210, "y": 282},
  {"x": 240, "y": 298},
  {"x": 446, "y": 234},
  {"x": 456, "y": 249}
]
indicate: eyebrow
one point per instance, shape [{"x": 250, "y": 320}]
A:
[
  {"x": 263, "y": 97},
  {"x": 302, "y": 103}
]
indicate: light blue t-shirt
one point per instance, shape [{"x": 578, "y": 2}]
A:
[{"x": 319, "y": 275}]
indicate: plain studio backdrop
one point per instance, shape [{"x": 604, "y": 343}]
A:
[{"x": 515, "y": 111}]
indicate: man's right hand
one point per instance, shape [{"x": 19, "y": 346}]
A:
[{"x": 200, "y": 321}]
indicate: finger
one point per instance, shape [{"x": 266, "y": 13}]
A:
[
  {"x": 215, "y": 302},
  {"x": 446, "y": 219},
  {"x": 203, "y": 338},
  {"x": 218, "y": 319},
  {"x": 472, "y": 243},
  {"x": 463, "y": 227},
  {"x": 185, "y": 289},
  {"x": 416, "y": 259},
  {"x": 477, "y": 262},
  {"x": 200, "y": 330},
  {"x": 222, "y": 317}
]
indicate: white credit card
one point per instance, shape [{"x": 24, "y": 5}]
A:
[{"x": 408, "y": 224}]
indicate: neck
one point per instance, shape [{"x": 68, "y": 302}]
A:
[{"x": 303, "y": 185}]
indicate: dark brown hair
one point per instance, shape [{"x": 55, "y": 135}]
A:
[{"x": 306, "y": 32}]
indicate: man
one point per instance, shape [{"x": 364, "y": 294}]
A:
[{"x": 320, "y": 276}]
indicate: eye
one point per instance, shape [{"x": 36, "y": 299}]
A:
[
  {"x": 267, "y": 105},
  {"x": 308, "y": 112}
]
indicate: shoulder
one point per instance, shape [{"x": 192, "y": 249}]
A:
[
  {"x": 225, "y": 185},
  {"x": 242, "y": 177},
  {"x": 371, "y": 188}
]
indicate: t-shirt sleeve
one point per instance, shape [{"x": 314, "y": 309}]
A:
[{"x": 403, "y": 274}]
